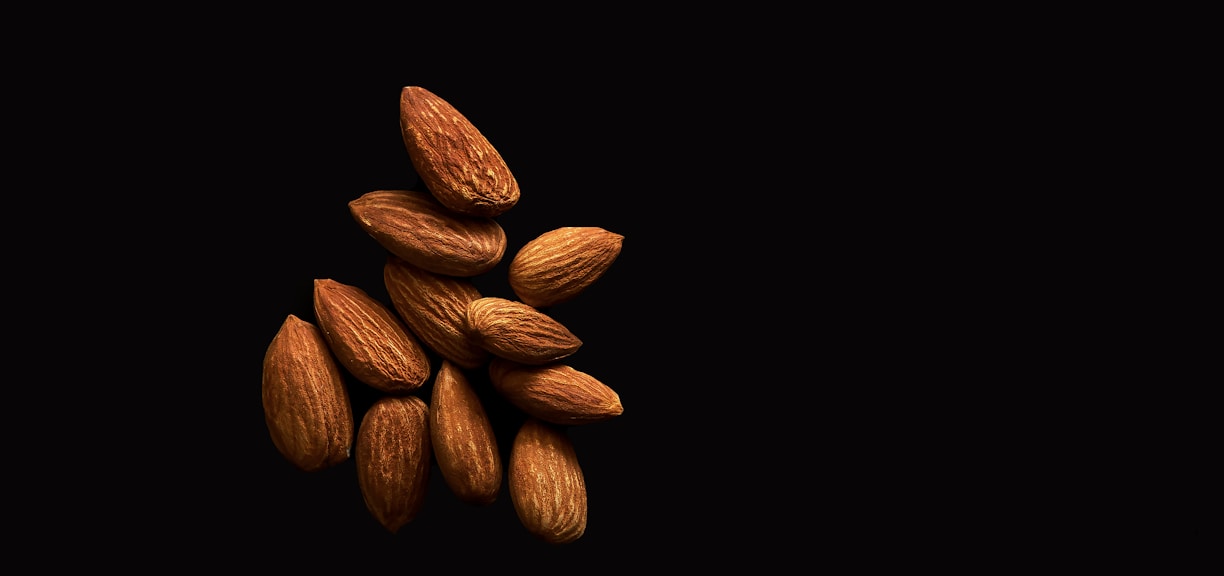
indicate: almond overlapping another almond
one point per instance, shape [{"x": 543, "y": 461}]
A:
[{"x": 438, "y": 338}]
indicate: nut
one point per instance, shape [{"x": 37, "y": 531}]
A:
[
  {"x": 559, "y": 264},
  {"x": 556, "y": 393},
  {"x": 412, "y": 224},
  {"x": 434, "y": 307},
  {"x": 546, "y": 483},
  {"x": 306, "y": 405},
  {"x": 518, "y": 332},
  {"x": 454, "y": 160},
  {"x": 368, "y": 338},
  {"x": 463, "y": 440},
  {"x": 437, "y": 238},
  {"x": 393, "y": 459}
]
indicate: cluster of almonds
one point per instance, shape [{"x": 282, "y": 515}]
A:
[{"x": 438, "y": 240}]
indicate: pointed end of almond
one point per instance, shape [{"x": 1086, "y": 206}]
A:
[{"x": 615, "y": 408}]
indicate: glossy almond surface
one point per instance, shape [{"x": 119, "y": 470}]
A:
[
  {"x": 453, "y": 158},
  {"x": 434, "y": 307},
  {"x": 393, "y": 459},
  {"x": 546, "y": 483},
  {"x": 560, "y": 264},
  {"x": 368, "y": 339},
  {"x": 306, "y": 404},
  {"x": 464, "y": 444},
  {"x": 412, "y": 224}
]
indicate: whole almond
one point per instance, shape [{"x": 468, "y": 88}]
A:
[
  {"x": 463, "y": 440},
  {"x": 412, "y": 224},
  {"x": 368, "y": 339},
  {"x": 559, "y": 264},
  {"x": 518, "y": 332},
  {"x": 306, "y": 405},
  {"x": 454, "y": 159},
  {"x": 434, "y": 307},
  {"x": 546, "y": 483},
  {"x": 393, "y": 459},
  {"x": 556, "y": 393}
]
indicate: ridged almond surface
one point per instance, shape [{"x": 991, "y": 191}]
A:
[
  {"x": 434, "y": 307},
  {"x": 559, "y": 264},
  {"x": 412, "y": 224},
  {"x": 463, "y": 440},
  {"x": 515, "y": 331},
  {"x": 368, "y": 339},
  {"x": 546, "y": 483},
  {"x": 454, "y": 159},
  {"x": 556, "y": 393},
  {"x": 393, "y": 459},
  {"x": 306, "y": 405}
]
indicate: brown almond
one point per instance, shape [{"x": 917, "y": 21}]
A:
[
  {"x": 368, "y": 339},
  {"x": 518, "y": 332},
  {"x": 412, "y": 224},
  {"x": 393, "y": 459},
  {"x": 546, "y": 484},
  {"x": 556, "y": 393},
  {"x": 454, "y": 159},
  {"x": 306, "y": 405},
  {"x": 434, "y": 307},
  {"x": 559, "y": 264},
  {"x": 463, "y": 440}
]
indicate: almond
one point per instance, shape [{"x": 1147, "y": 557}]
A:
[
  {"x": 463, "y": 440},
  {"x": 556, "y": 393},
  {"x": 306, "y": 405},
  {"x": 546, "y": 483},
  {"x": 393, "y": 459},
  {"x": 454, "y": 160},
  {"x": 368, "y": 339},
  {"x": 412, "y": 224},
  {"x": 559, "y": 264},
  {"x": 518, "y": 332},
  {"x": 434, "y": 307}
]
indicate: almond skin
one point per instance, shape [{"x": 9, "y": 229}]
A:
[
  {"x": 412, "y": 224},
  {"x": 368, "y": 339},
  {"x": 518, "y": 332},
  {"x": 454, "y": 160},
  {"x": 555, "y": 393},
  {"x": 434, "y": 307},
  {"x": 393, "y": 459},
  {"x": 546, "y": 483},
  {"x": 306, "y": 405},
  {"x": 463, "y": 441},
  {"x": 560, "y": 264}
]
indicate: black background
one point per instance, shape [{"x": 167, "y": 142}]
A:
[
  {"x": 748, "y": 338},
  {"x": 238, "y": 167},
  {"x": 828, "y": 325}
]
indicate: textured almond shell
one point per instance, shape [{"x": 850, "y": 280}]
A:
[
  {"x": 518, "y": 332},
  {"x": 306, "y": 405},
  {"x": 368, "y": 339},
  {"x": 463, "y": 441},
  {"x": 555, "y": 393},
  {"x": 546, "y": 483},
  {"x": 560, "y": 264},
  {"x": 393, "y": 459},
  {"x": 412, "y": 224},
  {"x": 434, "y": 307},
  {"x": 454, "y": 159}
]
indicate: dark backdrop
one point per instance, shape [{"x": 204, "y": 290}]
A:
[
  {"x": 739, "y": 325},
  {"x": 249, "y": 163}
]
